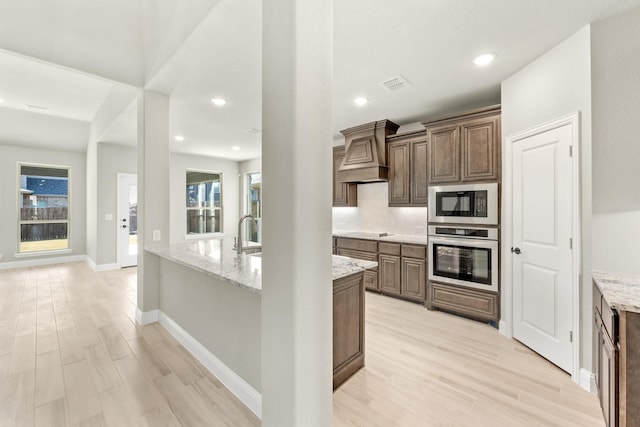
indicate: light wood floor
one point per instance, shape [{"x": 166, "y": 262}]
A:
[
  {"x": 433, "y": 369},
  {"x": 71, "y": 355}
]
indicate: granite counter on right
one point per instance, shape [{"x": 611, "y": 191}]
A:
[{"x": 616, "y": 349}]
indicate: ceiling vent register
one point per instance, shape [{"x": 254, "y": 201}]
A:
[{"x": 396, "y": 83}]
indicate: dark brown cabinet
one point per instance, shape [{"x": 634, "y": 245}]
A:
[
  {"x": 466, "y": 301},
  {"x": 407, "y": 156},
  {"x": 344, "y": 194},
  {"x": 389, "y": 273},
  {"x": 348, "y": 327},
  {"x": 616, "y": 351},
  {"x": 360, "y": 249},
  {"x": 402, "y": 270},
  {"x": 464, "y": 147}
]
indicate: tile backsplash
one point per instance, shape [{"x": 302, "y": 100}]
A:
[{"x": 374, "y": 214}]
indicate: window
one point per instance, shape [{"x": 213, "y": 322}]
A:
[
  {"x": 44, "y": 208},
  {"x": 204, "y": 202},
  {"x": 253, "y": 231}
]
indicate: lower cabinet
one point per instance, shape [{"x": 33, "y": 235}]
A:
[
  {"x": 616, "y": 353},
  {"x": 402, "y": 270},
  {"x": 469, "y": 302},
  {"x": 348, "y": 327},
  {"x": 360, "y": 249}
]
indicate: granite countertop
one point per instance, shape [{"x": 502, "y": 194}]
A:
[
  {"x": 420, "y": 239},
  {"x": 621, "y": 291},
  {"x": 217, "y": 257}
]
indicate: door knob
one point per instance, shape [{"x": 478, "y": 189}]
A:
[
  {"x": 516, "y": 251},
  {"x": 124, "y": 225}
]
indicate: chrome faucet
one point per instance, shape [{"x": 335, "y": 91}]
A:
[{"x": 239, "y": 242}]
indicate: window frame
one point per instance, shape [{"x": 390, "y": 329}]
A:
[
  {"x": 187, "y": 208},
  {"x": 20, "y": 222},
  {"x": 247, "y": 203}
]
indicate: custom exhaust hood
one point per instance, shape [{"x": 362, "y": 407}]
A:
[{"x": 365, "y": 158}]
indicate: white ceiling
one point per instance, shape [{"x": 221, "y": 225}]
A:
[{"x": 193, "y": 50}]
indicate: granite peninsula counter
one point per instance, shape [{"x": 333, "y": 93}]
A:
[
  {"x": 216, "y": 257},
  {"x": 194, "y": 298}
]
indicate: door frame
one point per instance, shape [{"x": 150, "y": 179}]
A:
[
  {"x": 506, "y": 321},
  {"x": 119, "y": 177}
]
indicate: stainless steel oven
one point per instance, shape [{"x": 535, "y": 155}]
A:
[
  {"x": 464, "y": 256},
  {"x": 464, "y": 204}
]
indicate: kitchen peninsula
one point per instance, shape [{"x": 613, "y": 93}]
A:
[{"x": 205, "y": 284}]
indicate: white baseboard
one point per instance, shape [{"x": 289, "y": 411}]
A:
[
  {"x": 146, "y": 317},
  {"x": 239, "y": 387},
  {"x": 35, "y": 262},
  {"x": 587, "y": 380},
  {"x": 101, "y": 267},
  {"x": 502, "y": 328}
]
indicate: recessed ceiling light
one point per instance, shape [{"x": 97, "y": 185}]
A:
[
  {"x": 219, "y": 101},
  {"x": 179, "y": 138},
  {"x": 1, "y": 100},
  {"x": 485, "y": 59},
  {"x": 360, "y": 100},
  {"x": 235, "y": 148}
]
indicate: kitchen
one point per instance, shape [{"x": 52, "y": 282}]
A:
[{"x": 580, "y": 66}]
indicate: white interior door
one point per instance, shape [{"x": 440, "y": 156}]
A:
[
  {"x": 127, "y": 220},
  {"x": 541, "y": 237}
]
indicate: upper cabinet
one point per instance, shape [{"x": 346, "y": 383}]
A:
[
  {"x": 407, "y": 157},
  {"x": 343, "y": 194},
  {"x": 464, "y": 147}
]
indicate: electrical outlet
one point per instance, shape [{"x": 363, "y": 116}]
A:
[{"x": 156, "y": 235}]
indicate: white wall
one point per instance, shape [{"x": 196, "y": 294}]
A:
[
  {"x": 615, "y": 71},
  {"x": 556, "y": 84},
  {"x": 9, "y": 157},
  {"x": 112, "y": 159},
  {"x": 230, "y": 192},
  {"x": 374, "y": 214}
]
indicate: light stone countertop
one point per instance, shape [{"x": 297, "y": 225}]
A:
[
  {"x": 621, "y": 291},
  {"x": 217, "y": 257},
  {"x": 420, "y": 239}
]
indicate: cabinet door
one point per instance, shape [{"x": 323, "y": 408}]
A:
[
  {"x": 389, "y": 273},
  {"x": 608, "y": 380},
  {"x": 480, "y": 141},
  {"x": 343, "y": 194},
  {"x": 419, "y": 178},
  {"x": 398, "y": 173},
  {"x": 414, "y": 278},
  {"x": 444, "y": 154},
  {"x": 371, "y": 280}
]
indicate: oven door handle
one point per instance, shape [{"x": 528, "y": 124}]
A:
[{"x": 473, "y": 243}]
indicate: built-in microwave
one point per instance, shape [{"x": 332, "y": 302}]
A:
[{"x": 464, "y": 204}]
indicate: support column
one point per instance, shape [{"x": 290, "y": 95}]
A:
[
  {"x": 153, "y": 195},
  {"x": 297, "y": 183}
]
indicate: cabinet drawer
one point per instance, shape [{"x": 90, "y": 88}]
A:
[
  {"x": 371, "y": 279},
  {"x": 357, "y": 254},
  {"x": 389, "y": 248},
  {"x": 466, "y": 301},
  {"x": 610, "y": 321},
  {"x": 357, "y": 244},
  {"x": 414, "y": 251}
]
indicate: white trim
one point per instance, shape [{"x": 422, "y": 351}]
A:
[
  {"x": 120, "y": 175},
  {"x": 506, "y": 322},
  {"x": 239, "y": 387},
  {"x": 587, "y": 380},
  {"x": 101, "y": 267},
  {"x": 42, "y": 261},
  {"x": 43, "y": 253},
  {"x": 146, "y": 317}
]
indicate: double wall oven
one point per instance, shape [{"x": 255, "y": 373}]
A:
[{"x": 463, "y": 235}]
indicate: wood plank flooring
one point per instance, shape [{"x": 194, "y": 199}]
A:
[
  {"x": 434, "y": 369},
  {"x": 72, "y": 355}
]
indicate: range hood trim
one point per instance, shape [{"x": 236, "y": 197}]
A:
[{"x": 365, "y": 157}]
